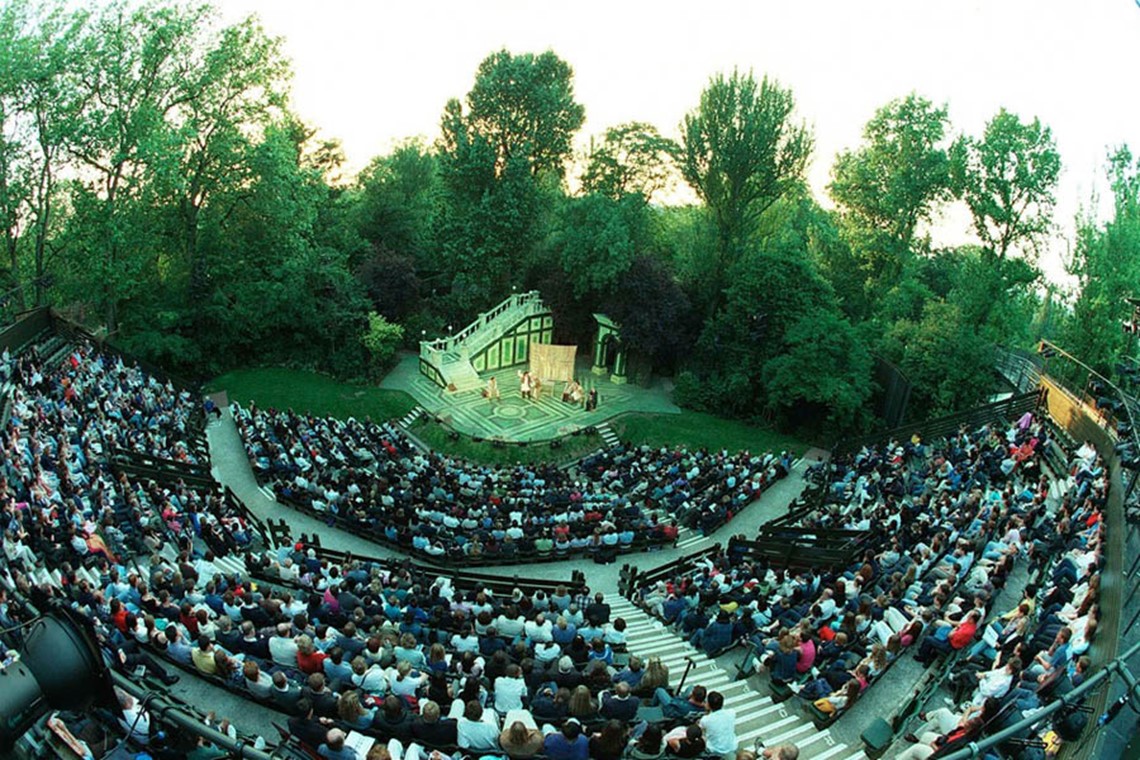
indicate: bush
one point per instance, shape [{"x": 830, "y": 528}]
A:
[{"x": 381, "y": 341}]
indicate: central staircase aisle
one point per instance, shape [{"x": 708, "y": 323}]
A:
[{"x": 758, "y": 718}]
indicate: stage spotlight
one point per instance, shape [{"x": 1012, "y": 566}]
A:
[
  {"x": 498, "y": 444},
  {"x": 476, "y": 439},
  {"x": 522, "y": 444},
  {"x": 453, "y": 435},
  {"x": 556, "y": 444},
  {"x": 58, "y": 668}
]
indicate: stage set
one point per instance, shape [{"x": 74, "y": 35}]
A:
[{"x": 452, "y": 377}]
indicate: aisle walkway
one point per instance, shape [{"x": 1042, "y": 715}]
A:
[{"x": 758, "y": 719}]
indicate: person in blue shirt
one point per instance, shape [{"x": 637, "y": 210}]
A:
[
  {"x": 716, "y": 635},
  {"x": 567, "y": 744}
]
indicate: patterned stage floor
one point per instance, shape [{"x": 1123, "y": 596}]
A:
[{"x": 517, "y": 419}]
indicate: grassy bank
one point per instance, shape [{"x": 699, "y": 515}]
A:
[
  {"x": 311, "y": 392},
  {"x": 319, "y": 394},
  {"x": 439, "y": 438}
]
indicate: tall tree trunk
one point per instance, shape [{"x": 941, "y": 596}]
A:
[{"x": 43, "y": 220}]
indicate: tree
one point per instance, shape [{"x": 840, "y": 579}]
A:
[
  {"x": 135, "y": 63},
  {"x": 398, "y": 197},
  {"x": 741, "y": 153},
  {"x": 824, "y": 374},
  {"x": 382, "y": 339},
  {"x": 596, "y": 238},
  {"x": 771, "y": 289},
  {"x": 524, "y": 106},
  {"x": 390, "y": 280},
  {"x": 236, "y": 90},
  {"x": 39, "y": 103},
  {"x": 946, "y": 359},
  {"x": 631, "y": 158},
  {"x": 892, "y": 183},
  {"x": 1008, "y": 179},
  {"x": 1107, "y": 270},
  {"x": 498, "y": 163},
  {"x": 654, "y": 314}
]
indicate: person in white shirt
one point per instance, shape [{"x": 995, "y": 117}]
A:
[
  {"x": 538, "y": 630},
  {"x": 282, "y": 647},
  {"x": 478, "y": 729},
  {"x": 510, "y": 690},
  {"x": 719, "y": 726},
  {"x": 995, "y": 683}
]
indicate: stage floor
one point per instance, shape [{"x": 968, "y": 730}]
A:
[{"x": 518, "y": 419}]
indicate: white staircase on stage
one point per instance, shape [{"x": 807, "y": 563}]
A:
[
  {"x": 458, "y": 373},
  {"x": 757, "y": 717},
  {"x": 451, "y": 356}
]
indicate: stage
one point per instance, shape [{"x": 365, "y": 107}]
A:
[{"x": 515, "y": 419}]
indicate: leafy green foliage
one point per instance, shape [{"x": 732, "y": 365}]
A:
[
  {"x": 398, "y": 201},
  {"x": 632, "y": 158},
  {"x": 1108, "y": 271},
  {"x": 741, "y": 153},
  {"x": 523, "y": 106},
  {"x": 596, "y": 238},
  {"x": 1008, "y": 178},
  {"x": 382, "y": 340},
  {"x": 892, "y": 183},
  {"x": 391, "y": 283},
  {"x": 945, "y": 358},
  {"x": 824, "y": 374},
  {"x": 654, "y": 313}
]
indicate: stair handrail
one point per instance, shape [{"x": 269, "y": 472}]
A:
[{"x": 430, "y": 348}]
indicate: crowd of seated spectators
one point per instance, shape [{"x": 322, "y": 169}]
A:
[
  {"x": 1036, "y": 651},
  {"x": 72, "y": 529},
  {"x": 948, "y": 523},
  {"x": 372, "y": 480}
]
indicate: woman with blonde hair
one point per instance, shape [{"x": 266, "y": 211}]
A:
[
  {"x": 656, "y": 676},
  {"x": 349, "y": 710},
  {"x": 582, "y": 706},
  {"x": 520, "y": 741},
  {"x": 406, "y": 682}
]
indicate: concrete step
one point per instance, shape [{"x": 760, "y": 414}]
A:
[
  {"x": 411, "y": 417},
  {"x": 833, "y": 751}
]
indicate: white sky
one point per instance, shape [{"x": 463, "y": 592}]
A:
[{"x": 372, "y": 72}]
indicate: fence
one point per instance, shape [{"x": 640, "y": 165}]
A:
[{"x": 996, "y": 412}]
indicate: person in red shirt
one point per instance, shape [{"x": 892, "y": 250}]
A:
[
  {"x": 309, "y": 659},
  {"x": 118, "y": 615},
  {"x": 932, "y": 646}
]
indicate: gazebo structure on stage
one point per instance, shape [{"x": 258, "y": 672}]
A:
[{"x": 610, "y": 354}]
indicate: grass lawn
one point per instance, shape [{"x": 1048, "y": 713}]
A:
[
  {"x": 699, "y": 430},
  {"x": 319, "y": 394},
  {"x": 312, "y": 392},
  {"x": 438, "y": 438}
]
